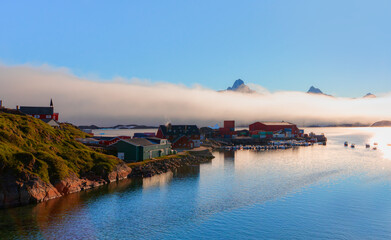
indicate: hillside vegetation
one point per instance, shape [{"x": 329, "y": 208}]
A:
[{"x": 28, "y": 145}]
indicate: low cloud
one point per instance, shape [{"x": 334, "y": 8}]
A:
[{"x": 126, "y": 101}]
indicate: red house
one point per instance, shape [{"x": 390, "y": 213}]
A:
[
  {"x": 274, "y": 127},
  {"x": 180, "y": 136},
  {"x": 110, "y": 140},
  {"x": 43, "y": 113},
  {"x": 228, "y": 130}
]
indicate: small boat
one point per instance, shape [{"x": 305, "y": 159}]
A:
[
  {"x": 375, "y": 148},
  {"x": 346, "y": 144},
  {"x": 375, "y": 143},
  {"x": 367, "y": 146},
  {"x": 353, "y": 146}
]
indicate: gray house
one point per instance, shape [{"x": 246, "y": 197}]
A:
[{"x": 140, "y": 149}]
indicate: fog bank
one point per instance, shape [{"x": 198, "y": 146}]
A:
[{"x": 123, "y": 101}]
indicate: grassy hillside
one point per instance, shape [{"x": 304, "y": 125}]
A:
[{"x": 30, "y": 145}]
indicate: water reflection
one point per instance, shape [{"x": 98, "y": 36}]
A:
[
  {"x": 158, "y": 180},
  {"x": 186, "y": 172},
  {"x": 176, "y": 203},
  {"x": 36, "y": 221},
  {"x": 229, "y": 156}
]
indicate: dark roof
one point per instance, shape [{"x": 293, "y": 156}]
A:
[
  {"x": 179, "y": 130},
  {"x": 103, "y": 138},
  {"x": 37, "y": 110},
  {"x": 275, "y": 123},
  {"x": 139, "y": 142},
  {"x": 154, "y": 139}
]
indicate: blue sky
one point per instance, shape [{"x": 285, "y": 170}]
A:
[{"x": 342, "y": 47}]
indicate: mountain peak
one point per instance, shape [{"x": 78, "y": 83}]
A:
[
  {"x": 237, "y": 84},
  {"x": 370, "y": 95},
  {"x": 314, "y": 90}
]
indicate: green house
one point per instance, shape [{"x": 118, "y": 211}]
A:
[{"x": 140, "y": 149}]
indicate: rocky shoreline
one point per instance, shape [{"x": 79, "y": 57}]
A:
[
  {"x": 155, "y": 167},
  {"x": 28, "y": 188}
]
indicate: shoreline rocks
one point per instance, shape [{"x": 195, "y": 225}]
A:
[
  {"x": 155, "y": 167},
  {"x": 28, "y": 188}
]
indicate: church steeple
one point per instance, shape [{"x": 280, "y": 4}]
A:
[{"x": 51, "y": 102}]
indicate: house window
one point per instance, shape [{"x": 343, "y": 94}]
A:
[
  {"x": 36, "y": 116},
  {"x": 121, "y": 155},
  {"x": 48, "y": 116}
]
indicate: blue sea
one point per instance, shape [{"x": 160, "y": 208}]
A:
[{"x": 316, "y": 192}]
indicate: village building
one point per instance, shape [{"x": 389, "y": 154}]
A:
[
  {"x": 51, "y": 122},
  {"x": 180, "y": 136},
  {"x": 228, "y": 130},
  {"x": 43, "y": 113},
  {"x": 269, "y": 128},
  {"x": 110, "y": 140},
  {"x": 144, "y": 135},
  {"x": 140, "y": 149}
]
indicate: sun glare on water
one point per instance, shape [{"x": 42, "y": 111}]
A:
[{"x": 381, "y": 139}]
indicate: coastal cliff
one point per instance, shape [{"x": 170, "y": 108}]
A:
[{"x": 39, "y": 162}]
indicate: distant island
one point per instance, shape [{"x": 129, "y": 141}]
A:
[
  {"x": 383, "y": 123},
  {"x": 340, "y": 125},
  {"x": 129, "y": 126}
]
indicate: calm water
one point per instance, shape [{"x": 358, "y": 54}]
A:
[{"x": 322, "y": 192}]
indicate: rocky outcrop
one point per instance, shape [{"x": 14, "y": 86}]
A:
[
  {"x": 28, "y": 188},
  {"x": 155, "y": 167},
  {"x": 74, "y": 184},
  {"x": 121, "y": 171},
  {"x": 24, "y": 189}
]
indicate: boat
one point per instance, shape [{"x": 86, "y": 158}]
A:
[
  {"x": 375, "y": 148},
  {"x": 367, "y": 146},
  {"x": 346, "y": 144},
  {"x": 353, "y": 146}
]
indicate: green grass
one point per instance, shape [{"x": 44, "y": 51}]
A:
[{"x": 30, "y": 145}]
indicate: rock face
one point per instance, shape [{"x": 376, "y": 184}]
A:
[
  {"x": 23, "y": 190},
  {"x": 121, "y": 171},
  {"x": 28, "y": 188},
  {"x": 239, "y": 86}
]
